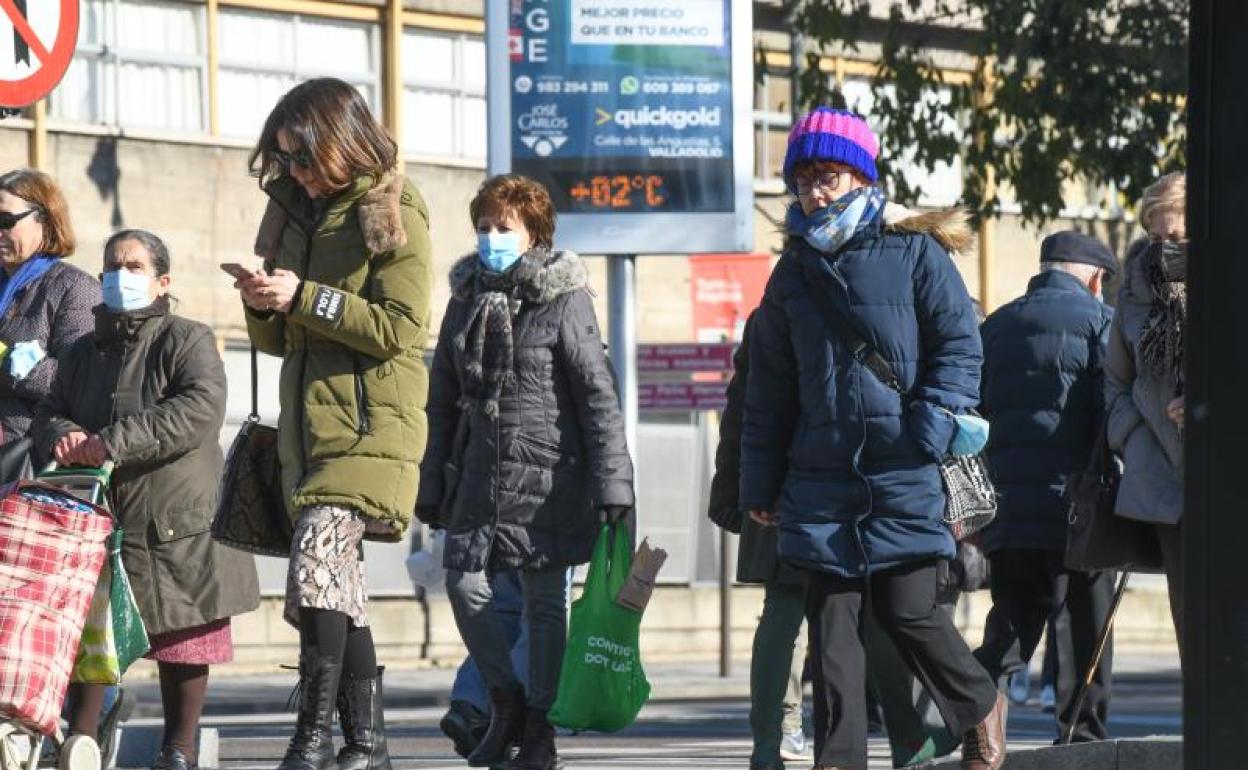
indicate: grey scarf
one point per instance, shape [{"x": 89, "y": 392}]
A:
[{"x": 486, "y": 344}]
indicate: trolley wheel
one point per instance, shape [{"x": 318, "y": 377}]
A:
[{"x": 79, "y": 752}]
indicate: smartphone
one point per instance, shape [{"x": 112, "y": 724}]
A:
[{"x": 239, "y": 272}]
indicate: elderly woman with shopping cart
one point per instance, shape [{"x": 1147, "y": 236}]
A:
[{"x": 146, "y": 391}]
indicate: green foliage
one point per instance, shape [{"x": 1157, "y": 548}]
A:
[{"x": 1068, "y": 90}]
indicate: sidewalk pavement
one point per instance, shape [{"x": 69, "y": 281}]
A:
[{"x": 415, "y": 688}]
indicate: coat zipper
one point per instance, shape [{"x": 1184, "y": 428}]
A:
[{"x": 363, "y": 424}]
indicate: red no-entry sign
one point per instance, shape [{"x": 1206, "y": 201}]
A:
[{"x": 50, "y": 64}]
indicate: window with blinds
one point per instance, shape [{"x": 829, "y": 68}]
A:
[
  {"x": 444, "y": 95},
  {"x": 138, "y": 65},
  {"x": 264, "y": 54}
]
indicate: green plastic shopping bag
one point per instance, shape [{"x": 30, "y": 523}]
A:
[
  {"x": 114, "y": 635},
  {"x": 602, "y": 685}
]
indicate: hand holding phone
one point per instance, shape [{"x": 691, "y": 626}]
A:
[{"x": 236, "y": 270}]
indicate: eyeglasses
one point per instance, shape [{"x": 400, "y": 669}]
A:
[
  {"x": 298, "y": 158},
  {"x": 827, "y": 181},
  {"x": 9, "y": 220}
]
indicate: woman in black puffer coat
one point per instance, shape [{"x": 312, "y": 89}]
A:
[{"x": 526, "y": 450}]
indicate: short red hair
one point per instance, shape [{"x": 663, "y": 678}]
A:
[{"x": 515, "y": 194}]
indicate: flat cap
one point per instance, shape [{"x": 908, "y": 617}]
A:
[{"x": 1074, "y": 246}]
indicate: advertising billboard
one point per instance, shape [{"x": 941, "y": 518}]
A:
[{"x": 636, "y": 115}]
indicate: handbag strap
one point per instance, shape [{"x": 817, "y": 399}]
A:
[
  {"x": 255, "y": 387},
  {"x": 862, "y": 351},
  {"x": 1101, "y": 458}
]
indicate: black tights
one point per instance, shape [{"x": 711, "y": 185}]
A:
[
  {"x": 330, "y": 634},
  {"x": 182, "y": 690}
]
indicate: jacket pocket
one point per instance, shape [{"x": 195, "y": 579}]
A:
[{"x": 168, "y": 526}]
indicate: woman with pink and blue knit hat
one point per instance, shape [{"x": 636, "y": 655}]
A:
[{"x": 865, "y": 358}]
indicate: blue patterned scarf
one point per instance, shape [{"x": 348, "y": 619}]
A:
[
  {"x": 27, "y": 273},
  {"x": 831, "y": 227}
]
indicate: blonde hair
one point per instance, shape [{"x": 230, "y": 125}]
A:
[{"x": 1167, "y": 193}]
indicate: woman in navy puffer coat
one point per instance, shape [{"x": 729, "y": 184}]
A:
[{"x": 847, "y": 468}]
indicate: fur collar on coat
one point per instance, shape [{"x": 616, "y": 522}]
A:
[
  {"x": 381, "y": 221},
  {"x": 563, "y": 272},
  {"x": 950, "y": 227}
]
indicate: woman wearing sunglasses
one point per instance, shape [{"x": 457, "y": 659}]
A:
[
  {"x": 343, "y": 298},
  {"x": 45, "y": 302}
]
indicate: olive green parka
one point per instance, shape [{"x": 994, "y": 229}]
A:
[{"x": 353, "y": 385}]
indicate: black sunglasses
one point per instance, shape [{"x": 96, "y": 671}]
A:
[
  {"x": 9, "y": 220},
  {"x": 287, "y": 159}
]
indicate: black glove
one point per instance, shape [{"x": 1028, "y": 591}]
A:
[
  {"x": 429, "y": 514},
  {"x": 728, "y": 518},
  {"x": 614, "y": 514}
]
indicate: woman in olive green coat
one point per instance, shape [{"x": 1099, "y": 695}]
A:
[{"x": 343, "y": 298}]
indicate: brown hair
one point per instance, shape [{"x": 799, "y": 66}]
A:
[
  {"x": 330, "y": 121},
  {"x": 512, "y": 193},
  {"x": 43, "y": 194}
]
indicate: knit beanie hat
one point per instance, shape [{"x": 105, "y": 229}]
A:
[{"x": 840, "y": 136}]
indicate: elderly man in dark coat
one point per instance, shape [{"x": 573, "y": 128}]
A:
[{"x": 1043, "y": 393}]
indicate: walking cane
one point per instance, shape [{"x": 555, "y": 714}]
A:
[{"x": 1096, "y": 659}]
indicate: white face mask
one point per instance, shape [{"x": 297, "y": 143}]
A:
[{"x": 124, "y": 291}]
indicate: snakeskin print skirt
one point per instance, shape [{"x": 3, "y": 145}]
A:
[{"x": 325, "y": 568}]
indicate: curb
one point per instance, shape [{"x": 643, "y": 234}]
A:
[{"x": 1163, "y": 752}]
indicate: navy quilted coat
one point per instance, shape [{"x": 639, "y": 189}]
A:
[
  {"x": 849, "y": 465},
  {"x": 1043, "y": 393}
]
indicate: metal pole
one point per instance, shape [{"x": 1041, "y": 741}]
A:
[
  {"x": 622, "y": 307},
  {"x": 1214, "y": 633},
  {"x": 725, "y": 603}
]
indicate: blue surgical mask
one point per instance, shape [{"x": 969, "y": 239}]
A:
[
  {"x": 124, "y": 290},
  {"x": 971, "y": 436},
  {"x": 498, "y": 251}
]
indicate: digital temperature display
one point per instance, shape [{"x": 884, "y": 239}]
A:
[
  {"x": 616, "y": 186},
  {"x": 621, "y": 192}
]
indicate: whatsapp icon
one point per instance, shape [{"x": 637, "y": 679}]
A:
[{"x": 629, "y": 85}]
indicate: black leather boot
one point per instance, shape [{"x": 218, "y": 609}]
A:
[
  {"x": 506, "y": 727},
  {"x": 363, "y": 724},
  {"x": 312, "y": 747},
  {"x": 537, "y": 747}
]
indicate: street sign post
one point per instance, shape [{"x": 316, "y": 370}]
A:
[{"x": 46, "y": 32}]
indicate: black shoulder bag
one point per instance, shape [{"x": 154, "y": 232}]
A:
[
  {"x": 970, "y": 499},
  {"x": 251, "y": 510},
  {"x": 1097, "y": 538}
]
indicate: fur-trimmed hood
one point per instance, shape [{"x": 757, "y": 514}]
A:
[
  {"x": 560, "y": 272},
  {"x": 378, "y": 204},
  {"x": 950, "y": 227}
]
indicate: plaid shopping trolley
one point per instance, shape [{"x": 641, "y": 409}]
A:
[{"x": 52, "y": 546}]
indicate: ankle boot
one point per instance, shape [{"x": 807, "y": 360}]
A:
[
  {"x": 363, "y": 724},
  {"x": 537, "y": 747},
  {"x": 312, "y": 747},
  {"x": 506, "y": 727}
]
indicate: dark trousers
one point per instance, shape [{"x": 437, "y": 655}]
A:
[
  {"x": 1028, "y": 586},
  {"x": 904, "y": 602},
  {"x": 910, "y": 715},
  {"x": 1170, "y": 537}
]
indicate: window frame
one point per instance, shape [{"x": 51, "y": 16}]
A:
[
  {"x": 298, "y": 73},
  {"x": 457, "y": 88},
  {"x": 110, "y": 56}
]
